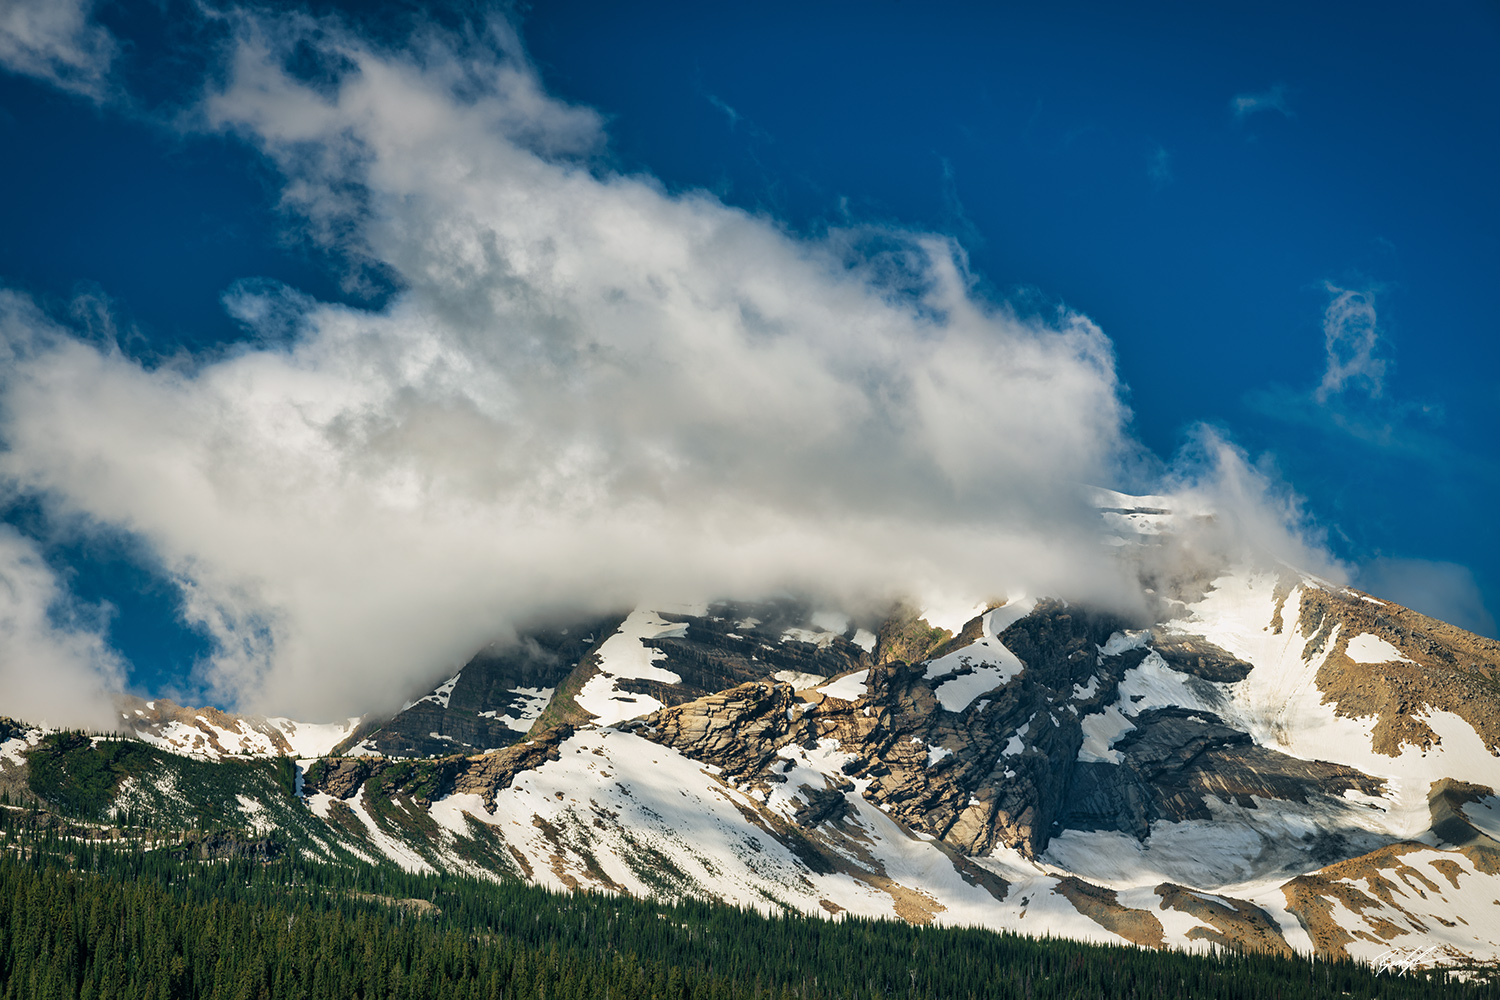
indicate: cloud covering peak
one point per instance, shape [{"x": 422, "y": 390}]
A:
[
  {"x": 588, "y": 390},
  {"x": 585, "y": 392}
]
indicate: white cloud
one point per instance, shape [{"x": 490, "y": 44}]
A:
[
  {"x": 588, "y": 392},
  {"x": 55, "y": 666},
  {"x": 729, "y": 112},
  {"x": 1239, "y": 509},
  {"x": 55, "y": 41},
  {"x": 1350, "y": 337},
  {"x": 1274, "y": 99}
]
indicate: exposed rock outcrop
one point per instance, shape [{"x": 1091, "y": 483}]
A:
[
  {"x": 1004, "y": 772},
  {"x": 1175, "y": 759},
  {"x": 490, "y": 705},
  {"x": 486, "y": 774}
]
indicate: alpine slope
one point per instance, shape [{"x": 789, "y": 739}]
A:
[{"x": 1268, "y": 762}]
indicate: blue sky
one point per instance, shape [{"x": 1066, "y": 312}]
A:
[{"x": 1284, "y": 221}]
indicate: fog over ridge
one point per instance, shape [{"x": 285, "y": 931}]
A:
[{"x": 589, "y": 392}]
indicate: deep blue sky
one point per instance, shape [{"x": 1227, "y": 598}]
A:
[{"x": 1087, "y": 155}]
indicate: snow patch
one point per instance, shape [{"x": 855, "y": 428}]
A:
[
  {"x": 313, "y": 739},
  {"x": 850, "y": 687},
  {"x": 990, "y": 666},
  {"x": 1280, "y": 706},
  {"x": 952, "y": 615},
  {"x": 533, "y": 702},
  {"x": 13, "y": 748},
  {"x": 1008, "y": 614},
  {"x": 1367, "y": 648},
  {"x": 255, "y": 815},
  {"x": 625, "y": 656},
  {"x": 1120, "y": 642},
  {"x": 1100, "y": 733},
  {"x": 1485, "y": 815},
  {"x": 820, "y": 639},
  {"x": 1153, "y": 684},
  {"x": 392, "y": 848},
  {"x": 442, "y": 694},
  {"x": 798, "y": 680}
]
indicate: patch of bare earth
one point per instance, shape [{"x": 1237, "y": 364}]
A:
[
  {"x": 1389, "y": 880},
  {"x": 1451, "y": 670},
  {"x": 1232, "y": 923},
  {"x": 560, "y": 856},
  {"x": 1104, "y": 908}
]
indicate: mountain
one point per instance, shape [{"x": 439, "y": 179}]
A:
[{"x": 1267, "y": 762}]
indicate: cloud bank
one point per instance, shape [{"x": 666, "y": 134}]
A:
[{"x": 588, "y": 392}]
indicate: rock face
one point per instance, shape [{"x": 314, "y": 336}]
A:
[
  {"x": 495, "y": 699},
  {"x": 1004, "y": 771},
  {"x": 669, "y": 658},
  {"x": 504, "y": 692},
  {"x": 720, "y": 650},
  {"x": 489, "y": 773},
  {"x": 223, "y": 846},
  {"x": 1195, "y": 655},
  {"x": 1177, "y": 760},
  {"x": 431, "y": 778},
  {"x": 738, "y": 731}
]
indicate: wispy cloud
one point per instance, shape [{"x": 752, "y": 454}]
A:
[
  {"x": 56, "y": 41},
  {"x": 729, "y": 112},
  {"x": 1254, "y": 511},
  {"x": 1351, "y": 396},
  {"x": 1274, "y": 99},
  {"x": 1350, "y": 338},
  {"x": 956, "y": 217},
  {"x": 1352, "y": 402},
  {"x": 1159, "y": 167}
]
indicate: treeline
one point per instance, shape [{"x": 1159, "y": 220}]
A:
[{"x": 92, "y": 921}]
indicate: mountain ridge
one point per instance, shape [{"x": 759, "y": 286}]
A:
[{"x": 1277, "y": 763}]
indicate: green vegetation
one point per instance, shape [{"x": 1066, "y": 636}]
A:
[
  {"x": 286, "y": 775},
  {"x": 907, "y": 638},
  {"x": 563, "y": 709},
  {"x": 79, "y": 776},
  {"x": 422, "y": 780},
  {"x": 86, "y": 920},
  {"x": 158, "y": 885},
  {"x": 138, "y": 788}
]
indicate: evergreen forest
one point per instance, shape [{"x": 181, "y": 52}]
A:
[{"x": 81, "y": 918}]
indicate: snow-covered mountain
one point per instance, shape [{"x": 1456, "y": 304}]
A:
[
  {"x": 1273, "y": 762},
  {"x": 213, "y": 735}
]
